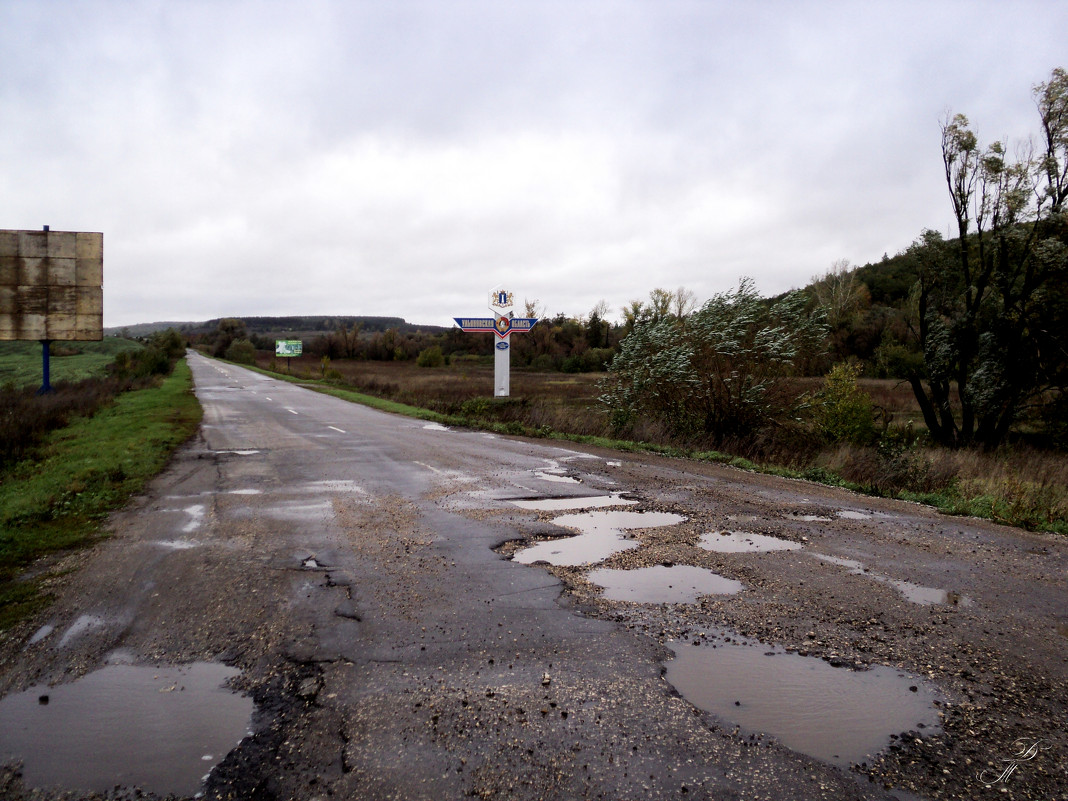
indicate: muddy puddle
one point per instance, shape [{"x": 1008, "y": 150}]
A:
[
  {"x": 159, "y": 728},
  {"x": 602, "y": 534},
  {"x": 555, "y": 476},
  {"x": 744, "y": 542},
  {"x": 838, "y": 715},
  {"x": 661, "y": 584},
  {"x": 572, "y": 502},
  {"x": 915, "y": 593}
]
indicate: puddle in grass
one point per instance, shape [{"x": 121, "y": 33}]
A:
[
  {"x": 160, "y": 728},
  {"x": 574, "y": 502},
  {"x": 602, "y": 535},
  {"x": 838, "y": 715},
  {"x": 744, "y": 542},
  {"x": 916, "y": 593},
  {"x": 677, "y": 584}
]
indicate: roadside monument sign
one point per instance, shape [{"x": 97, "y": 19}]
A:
[
  {"x": 503, "y": 323},
  {"x": 51, "y": 288}
]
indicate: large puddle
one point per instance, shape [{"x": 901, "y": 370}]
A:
[
  {"x": 838, "y": 715},
  {"x": 162, "y": 729},
  {"x": 677, "y": 584},
  {"x": 744, "y": 542},
  {"x": 602, "y": 535}
]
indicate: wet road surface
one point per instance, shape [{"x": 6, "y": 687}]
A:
[{"x": 354, "y": 566}]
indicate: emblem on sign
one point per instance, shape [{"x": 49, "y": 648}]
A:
[{"x": 501, "y": 299}]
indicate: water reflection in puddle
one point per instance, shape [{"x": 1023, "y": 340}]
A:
[
  {"x": 678, "y": 584},
  {"x": 601, "y": 536},
  {"x": 559, "y": 478},
  {"x": 744, "y": 542},
  {"x": 162, "y": 729},
  {"x": 834, "y": 714},
  {"x": 575, "y": 502},
  {"x": 850, "y": 514},
  {"x": 435, "y": 427},
  {"x": 916, "y": 593},
  {"x": 177, "y": 545}
]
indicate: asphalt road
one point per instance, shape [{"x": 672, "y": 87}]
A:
[{"x": 355, "y": 567}]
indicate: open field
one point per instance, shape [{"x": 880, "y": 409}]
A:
[{"x": 20, "y": 362}]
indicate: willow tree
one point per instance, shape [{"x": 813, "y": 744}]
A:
[
  {"x": 989, "y": 306},
  {"x": 715, "y": 372}
]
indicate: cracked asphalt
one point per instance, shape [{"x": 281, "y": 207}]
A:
[{"x": 354, "y": 566}]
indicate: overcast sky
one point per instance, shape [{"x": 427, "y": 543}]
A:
[{"x": 401, "y": 158}]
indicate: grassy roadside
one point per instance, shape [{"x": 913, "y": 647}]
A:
[
  {"x": 86, "y": 470},
  {"x": 1037, "y": 505},
  {"x": 20, "y": 362}
]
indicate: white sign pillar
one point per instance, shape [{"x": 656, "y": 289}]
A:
[
  {"x": 502, "y": 366},
  {"x": 502, "y": 324},
  {"x": 501, "y": 302}
]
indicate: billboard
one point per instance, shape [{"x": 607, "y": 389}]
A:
[
  {"x": 51, "y": 285},
  {"x": 288, "y": 347}
]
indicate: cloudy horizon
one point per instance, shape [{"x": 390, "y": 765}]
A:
[{"x": 401, "y": 158}]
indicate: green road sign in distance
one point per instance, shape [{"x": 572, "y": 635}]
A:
[{"x": 288, "y": 347}]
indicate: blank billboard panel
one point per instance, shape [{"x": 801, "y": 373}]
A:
[{"x": 51, "y": 285}]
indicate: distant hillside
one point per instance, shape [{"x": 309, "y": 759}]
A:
[{"x": 292, "y": 326}]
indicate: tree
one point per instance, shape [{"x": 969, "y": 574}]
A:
[
  {"x": 228, "y": 330},
  {"x": 989, "y": 311},
  {"x": 716, "y": 372}
]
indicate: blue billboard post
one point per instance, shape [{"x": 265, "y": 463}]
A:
[{"x": 503, "y": 323}]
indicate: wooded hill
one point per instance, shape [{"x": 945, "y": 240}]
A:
[{"x": 288, "y": 327}]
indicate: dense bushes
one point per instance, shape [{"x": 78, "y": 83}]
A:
[{"x": 716, "y": 373}]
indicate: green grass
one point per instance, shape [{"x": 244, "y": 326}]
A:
[
  {"x": 20, "y": 362},
  {"x": 83, "y": 472}
]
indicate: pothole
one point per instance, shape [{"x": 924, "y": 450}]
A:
[
  {"x": 572, "y": 502},
  {"x": 851, "y": 514},
  {"x": 744, "y": 542},
  {"x": 914, "y": 593},
  {"x": 838, "y": 715},
  {"x": 556, "y": 477},
  {"x": 602, "y": 535},
  {"x": 158, "y": 728},
  {"x": 662, "y": 584}
]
